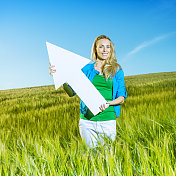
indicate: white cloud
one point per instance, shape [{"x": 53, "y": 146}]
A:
[{"x": 146, "y": 44}]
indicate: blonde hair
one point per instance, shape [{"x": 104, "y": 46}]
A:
[{"x": 110, "y": 66}]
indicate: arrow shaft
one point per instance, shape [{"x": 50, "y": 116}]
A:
[{"x": 87, "y": 91}]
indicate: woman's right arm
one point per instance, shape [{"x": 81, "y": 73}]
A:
[
  {"x": 66, "y": 86},
  {"x": 69, "y": 90}
]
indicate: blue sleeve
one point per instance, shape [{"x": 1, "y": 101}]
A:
[
  {"x": 121, "y": 91},
  {"x": 86, "y": 68},
  {"x": 69, "y": 90}
]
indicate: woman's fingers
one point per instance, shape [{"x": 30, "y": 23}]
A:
[
  {"x": 103, "y": 107},
  {"x": 51, "y": 69},
  {"x": 100, "y": 108},
  {"x": 50, "y": 66}
]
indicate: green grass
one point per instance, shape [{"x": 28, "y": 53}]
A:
[{"x": 39, "y": 132}]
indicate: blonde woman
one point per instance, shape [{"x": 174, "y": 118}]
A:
[{"x": 108, "y": 77}]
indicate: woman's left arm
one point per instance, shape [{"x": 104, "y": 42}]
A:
[
  {"x": 117, "y": 101},
  {"x": 121, "y": 93}
]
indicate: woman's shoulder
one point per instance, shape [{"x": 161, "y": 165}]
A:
[
  {"x": 119, "y": 73},
  {"x": 90, "y": 65}
]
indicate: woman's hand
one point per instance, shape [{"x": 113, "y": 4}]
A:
[
  {"x": 51, "y": 69},
  {"x": 105, "y": 106},
  {"x": 119, "y": 100}
]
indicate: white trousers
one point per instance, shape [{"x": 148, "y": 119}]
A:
[{"x": 95, "y": 132}]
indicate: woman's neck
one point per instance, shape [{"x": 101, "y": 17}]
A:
[{"x": 99, "y": 63}]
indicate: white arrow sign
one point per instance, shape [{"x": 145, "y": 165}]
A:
[{"x": 68, "y": 69}]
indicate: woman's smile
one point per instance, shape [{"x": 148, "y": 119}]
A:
[{"x": 105, "y": 54}]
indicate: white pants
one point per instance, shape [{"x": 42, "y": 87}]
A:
[{"x": 94, "y": 132}]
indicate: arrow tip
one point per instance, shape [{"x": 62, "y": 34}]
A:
[{"x": 47, "y": 43}]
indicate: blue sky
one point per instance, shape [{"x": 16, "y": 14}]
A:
[{"x": 143, "y": 32}]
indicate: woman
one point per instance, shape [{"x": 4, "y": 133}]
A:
[{"x": 108, "y": 77}]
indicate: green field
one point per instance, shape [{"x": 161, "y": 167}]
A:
[{"x": 39, "y": 132}]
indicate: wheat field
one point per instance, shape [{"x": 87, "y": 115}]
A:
[{"x": 39, "y": 132}]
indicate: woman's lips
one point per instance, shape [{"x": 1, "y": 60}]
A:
[{"x": 104, "y": 54}]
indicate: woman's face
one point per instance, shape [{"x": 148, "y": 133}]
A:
[{"x": 103, "y": 49}]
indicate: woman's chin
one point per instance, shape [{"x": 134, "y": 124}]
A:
[{"x": 103, "y": 58}]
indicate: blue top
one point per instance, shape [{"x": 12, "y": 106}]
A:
[{"x": 118, "y": 86}]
